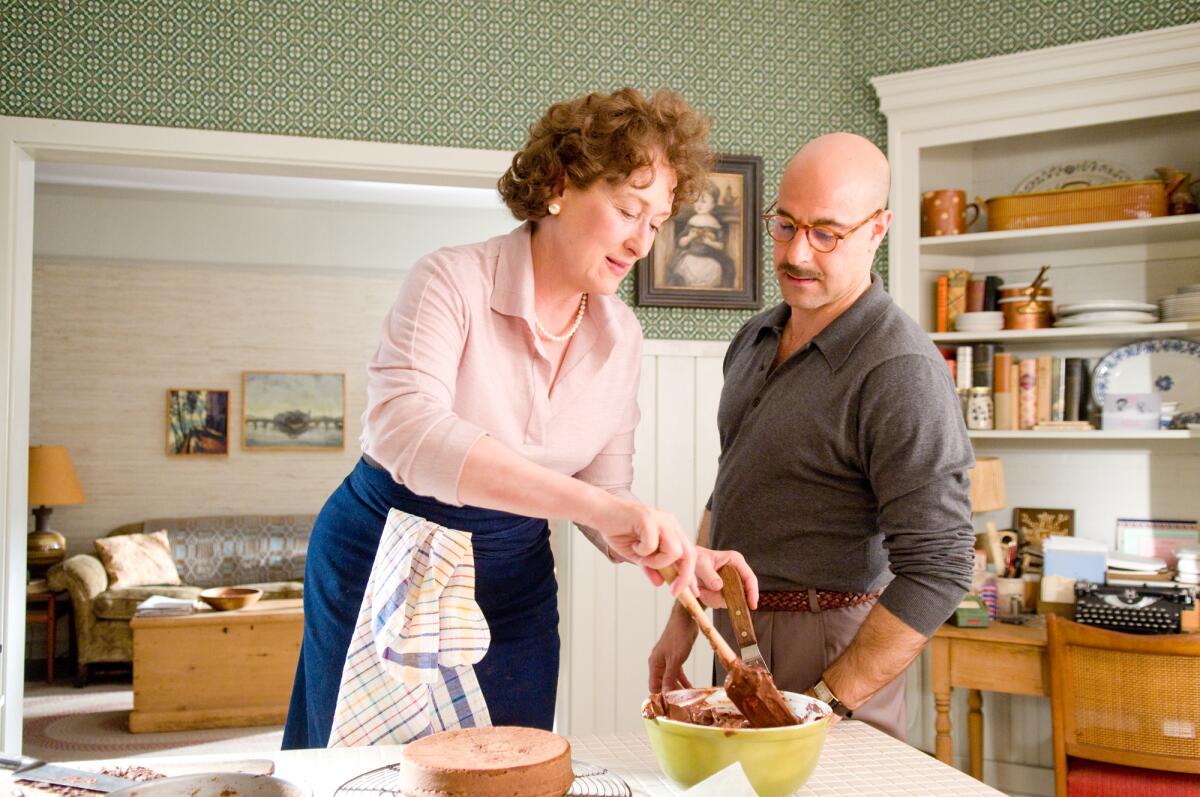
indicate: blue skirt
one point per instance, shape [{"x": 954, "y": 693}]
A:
[{"x": 514, "y": 586}]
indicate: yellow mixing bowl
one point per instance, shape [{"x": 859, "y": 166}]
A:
[{"x": 776, "y": 760}]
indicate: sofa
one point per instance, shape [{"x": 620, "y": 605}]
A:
[{"x": 260, "y": 551}]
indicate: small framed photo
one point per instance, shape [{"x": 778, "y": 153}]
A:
[
  {"x": 197, "y": 422},
  {"x": 1131, "y": 412},
  {"x": 1035, "y": 525},
  {"x": 707, "y": 255},
  {"x": 293, "y": 411}
]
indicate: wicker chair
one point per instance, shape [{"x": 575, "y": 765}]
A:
[{"x": 1126, "y": 712}]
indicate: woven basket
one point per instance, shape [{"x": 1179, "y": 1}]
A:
[{"x": 1142, "y": 199}]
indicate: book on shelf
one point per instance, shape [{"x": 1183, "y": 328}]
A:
[
  {"x": 966, "y": 369},
  {"x": 1003, "y": 394},
  {"x": 1064, "y": 426},
  {"x": 1027, "y": 394},
  {"x": 1014, "y": 396},
  {"x": 1075, "y": 389},
  {"x": 941, "y": 296},
  {"x": 975, "y": 290},
  {"x": 1042, "y": 385},
  {"x": 982, "y": 365},
  {"x": 1057, "y": 389},
  {"x": 956, "y": 294},
  {"x": 991, "y": 293}
]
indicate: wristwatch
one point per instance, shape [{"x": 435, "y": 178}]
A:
[{"x": 825, "y": 694}]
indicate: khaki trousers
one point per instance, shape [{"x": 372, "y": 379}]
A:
[{"x": 799, "y": 646}]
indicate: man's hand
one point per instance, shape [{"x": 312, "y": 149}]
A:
[
  {"x": 708, "y": 562},
  {"x": 671, "y": 651}
]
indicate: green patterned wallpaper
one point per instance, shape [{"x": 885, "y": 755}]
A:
[{"x": 475, "y": 74}]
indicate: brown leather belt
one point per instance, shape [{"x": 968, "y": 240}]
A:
[{"x": 811, "y": 600}]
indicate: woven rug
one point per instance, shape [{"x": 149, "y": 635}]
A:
[{"x": 67, "y": 724}]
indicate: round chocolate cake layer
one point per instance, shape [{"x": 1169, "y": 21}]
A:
[{"x": 487, "y": 762}]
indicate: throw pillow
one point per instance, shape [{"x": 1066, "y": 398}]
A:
[{"x": 138, "y": 560}]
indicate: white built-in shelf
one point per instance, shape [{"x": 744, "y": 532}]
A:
[
  {"x": 1114, "y": 332},
  {"x": 1071, "y": 236},
  {"x": 1163, "y": 434}
]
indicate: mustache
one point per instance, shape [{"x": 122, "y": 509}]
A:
[{"x": 799, "y": 272}]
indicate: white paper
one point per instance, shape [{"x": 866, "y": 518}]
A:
[
  {"x": 729, "y": 782},
  {"x": 1058, "y": 542}
]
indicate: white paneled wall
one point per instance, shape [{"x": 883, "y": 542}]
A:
[{"x": 611, "y": 615}]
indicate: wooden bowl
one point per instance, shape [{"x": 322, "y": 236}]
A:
[{"x": 225, "y": 599}]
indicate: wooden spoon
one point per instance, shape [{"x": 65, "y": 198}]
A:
[{"x": 750, "y": 689}]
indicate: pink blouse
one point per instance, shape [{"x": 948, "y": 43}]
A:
[{"x": 459, "y": 358}]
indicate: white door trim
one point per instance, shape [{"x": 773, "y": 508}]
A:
[{"x": 26, "y": 141}]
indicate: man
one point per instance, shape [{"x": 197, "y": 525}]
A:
[{"x": 842, "y": 475}]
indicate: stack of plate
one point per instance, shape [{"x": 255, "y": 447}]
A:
[
  {"x": 1183, "y": 306},
  {"x": 1105, "y": 311},
  {"x": 990, "y": 321}
]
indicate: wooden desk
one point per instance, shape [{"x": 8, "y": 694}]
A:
[{"x": 999, "y": 658}]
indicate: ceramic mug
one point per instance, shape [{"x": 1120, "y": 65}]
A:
[{"x": 944, "y": 212}]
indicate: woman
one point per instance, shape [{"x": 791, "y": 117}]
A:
[{"x": 504, "y": 392}]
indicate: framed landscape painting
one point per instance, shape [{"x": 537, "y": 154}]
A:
[{"x": 293, "y": 411}]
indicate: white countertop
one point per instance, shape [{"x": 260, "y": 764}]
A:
[{"x": 857, "y": 761}]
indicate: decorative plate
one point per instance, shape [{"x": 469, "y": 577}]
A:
[
  {"x": 1104, "y": 304},
  {"x": 1107, "y": 317},
  {"x": 590, "y": 781},
  {"x": 1167, "y": 366},
  {"x": 1092, "y": 172}
]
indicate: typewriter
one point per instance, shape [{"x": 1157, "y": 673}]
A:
[{"x": 1133, "y": 610}]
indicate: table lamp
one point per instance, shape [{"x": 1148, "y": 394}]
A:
[
  {"x": 987, "y": 495},
  {"x": 52, "y": 482}
]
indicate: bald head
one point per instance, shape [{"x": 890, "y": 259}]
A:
[{"x": 843, "y": 169}]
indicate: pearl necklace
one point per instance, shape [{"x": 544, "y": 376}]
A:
[{"x": 566, "y": 335}]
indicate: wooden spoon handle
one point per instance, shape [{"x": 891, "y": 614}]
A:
[
  {"x": 725, "y": 653},
  {"x": 734, "y": 594}
]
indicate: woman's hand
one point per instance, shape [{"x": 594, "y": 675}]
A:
[{"x": 651, "y": 538}]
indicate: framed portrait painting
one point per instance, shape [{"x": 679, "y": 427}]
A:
[
  {"x": 706, "y": 255},
  {"x": 293, "y": 411},
  {"x": 197, "y": 422}
]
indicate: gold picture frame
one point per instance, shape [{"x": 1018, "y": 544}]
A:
[
  {"x": 197, "y": 422},
  {"x": 1035, "y": 525},
  {"x": 293, "y": 411}
]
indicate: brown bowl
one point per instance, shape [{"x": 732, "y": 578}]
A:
[{"x": 225, "y": 599}]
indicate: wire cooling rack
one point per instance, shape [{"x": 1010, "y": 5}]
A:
[{"x": 590, "y": 781}]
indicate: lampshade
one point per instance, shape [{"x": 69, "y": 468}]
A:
[
  {"x": 987, "y": 485},
  {"x": 52, "y": 479}
]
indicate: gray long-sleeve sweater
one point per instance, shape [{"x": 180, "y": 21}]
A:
[{"x": 845, "y": 467}]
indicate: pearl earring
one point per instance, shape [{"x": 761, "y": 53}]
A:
[{"x": 553, "y": 208}]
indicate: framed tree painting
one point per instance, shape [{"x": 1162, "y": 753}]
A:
[
  {"x": 293, "y": 411},
  {"x": 197, "y": 422},
  {"x": 707, "y": 254}
]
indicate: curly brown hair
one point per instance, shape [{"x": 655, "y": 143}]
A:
[{"x": 608, "y": 136}]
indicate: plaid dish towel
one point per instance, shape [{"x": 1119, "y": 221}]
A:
[{"x": 408, "y": 671}]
